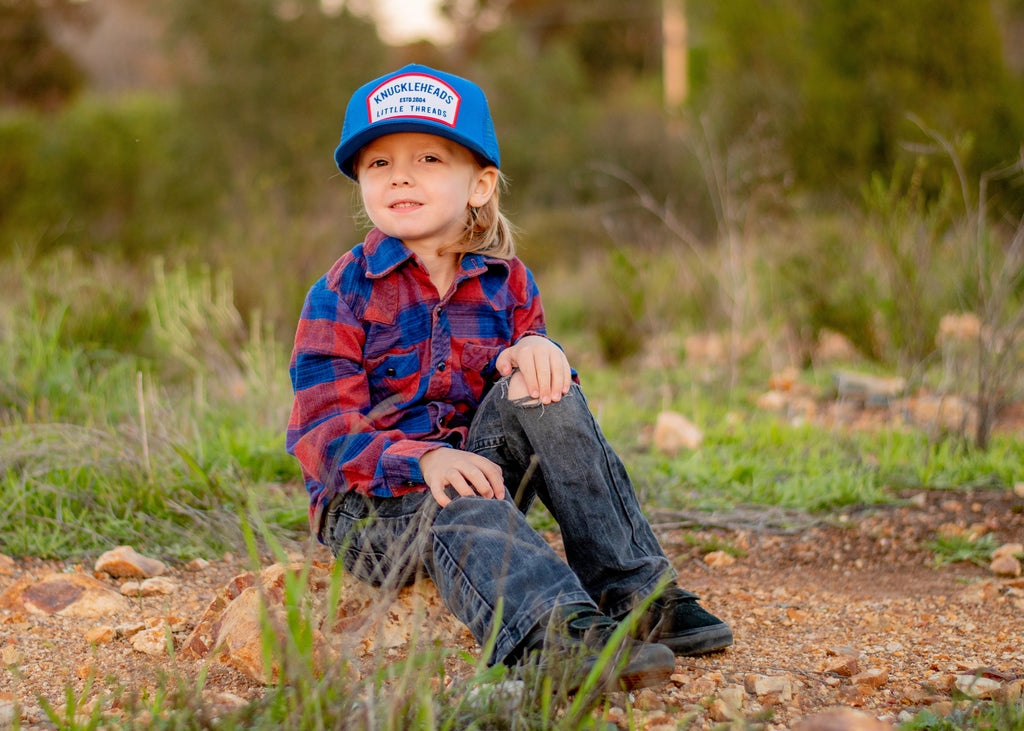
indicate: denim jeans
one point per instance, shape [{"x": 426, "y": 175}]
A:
[{"x": 488, "y": 564}]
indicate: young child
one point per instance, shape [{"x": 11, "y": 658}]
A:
[{"x": 427, "y": 394}]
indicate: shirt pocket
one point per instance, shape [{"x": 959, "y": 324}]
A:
[
  {"x": 478, "y": 366},
  {"x": 394, "y": 377}
]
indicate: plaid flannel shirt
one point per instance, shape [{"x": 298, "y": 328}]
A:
[{"x": 384, "y": 370}]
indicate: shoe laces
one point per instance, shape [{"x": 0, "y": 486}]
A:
[
  {"x": 594, "y": 625},
  {"x": 673, "y": 595}
]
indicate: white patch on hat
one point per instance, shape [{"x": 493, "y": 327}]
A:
[{"x": 414, "y": 96}]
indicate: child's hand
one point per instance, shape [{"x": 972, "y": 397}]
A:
[
  {"x": 465, "y": 472},
  {"x": 543, "y": 365}
]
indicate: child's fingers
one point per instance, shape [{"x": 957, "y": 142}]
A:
[
  {"x": 464, "y": 472},
  {"x": 439, "y": 494},
  {"x": 561, "y": 375},
  {"x": 541, "y": 386},
  {"x": 492, "y": 473}
]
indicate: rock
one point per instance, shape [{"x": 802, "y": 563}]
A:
[
  {"x": 706, "y": 348},
  {"x": 980, "y": 592},
  {"x": 233, "y": 624},
  {"x": 158, "y": 585},
  {"x": 772, "y": 401},
  {"x": 225, "y": 701},
  {"x": 841, "y": 719},
  {"x": 129, "y": 629},
  {"x": 7, "y": 565},
  {"x": 100, "y": 635},
  {"x": 843, "y": 665},
  {"x": 1018, "y": 489},
  {"x": 1005, "y": 566},
  {"x": 1009, "y": 549},
  {"x": 197, "y": 564},
  {"x": 843, "y": 651},
  {"x": 719, "y": 559},
  {"x": 851, "y": 695},
  {"x": 978, "y": 687},
  {"x": 784, "y": 380},
  {"x": 769, "y": 688},
  {"x": 674, "y": 432},
  {"x": 940, "y": 682},
  {"x": 950, "y": 412},
  {"x": 200, "y": 642},
  {"x": 123, "y": 562},
  {"x": 867, "y": 389},
  {"x": 239, "y": 637},
  {"x": 1011, "y": 692},
  {"x": 648, "y": 700},
  {"x": 728, "y": 706},
  {"x": 871, "y": 678},
  {"x": 69, "y": 595},
  {"x": 8, "y": 713},
  {"x": 506, "y": 695},
  {"x": 965, "y": 327},
  {"x": 10, "y": 656},
  {"x": 834, "y": 347},
  {"x": 152, "y": 641}
]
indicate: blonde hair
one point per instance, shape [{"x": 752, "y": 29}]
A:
[{"x": 487, "y": 231}]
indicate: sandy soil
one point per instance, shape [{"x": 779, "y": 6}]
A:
[{"x": 849, "y": 611}]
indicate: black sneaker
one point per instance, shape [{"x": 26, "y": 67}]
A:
[
  {"x": 567, "y": 645},
  {"x": 676, "y": 620}
]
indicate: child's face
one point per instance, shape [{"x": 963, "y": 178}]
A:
[{"x": 418, "y": 187}]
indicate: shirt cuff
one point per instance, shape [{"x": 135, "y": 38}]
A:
[{"x": 401, "y": 464}]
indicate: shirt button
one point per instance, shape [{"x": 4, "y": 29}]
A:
[{"x": 441, "y": 366}]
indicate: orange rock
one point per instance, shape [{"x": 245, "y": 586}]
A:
[
  {"x": 69, "y": 595},
  {"x": 719, "y": 559},
  {"x": 1005, "y": 566},
  {"x": 100, "y": 635},
  {"x": 843, "y": 665},
  {"x": 674, "y": 432},
  {"x": 125, "y": 562},
  {"x": 871, "y": 678},
  {"x": 841, "y": 719}
]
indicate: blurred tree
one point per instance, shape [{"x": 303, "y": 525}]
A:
[
  {"x": 266, "y": 89},
  {"x": 837, "y": 79},
  {"x": 613, "y": 40},
  {"x": 34, "y": 70}
]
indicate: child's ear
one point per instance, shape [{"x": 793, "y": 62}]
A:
[{"x": 484, "y": 186}]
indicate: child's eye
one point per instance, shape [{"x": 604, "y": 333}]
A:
[
  {"x": 377, "y": 163},
  {"x": 431, "y": 158}
]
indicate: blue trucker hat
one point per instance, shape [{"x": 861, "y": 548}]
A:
[{"x": 418, "y": 99}]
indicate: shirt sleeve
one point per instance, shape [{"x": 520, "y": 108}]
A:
[{"x": 334, "y": 431}]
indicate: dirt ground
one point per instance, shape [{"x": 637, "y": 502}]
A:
[{"x": 849, "y": 611}]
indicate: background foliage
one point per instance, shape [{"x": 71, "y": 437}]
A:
[{"x": 837, "y": 167}]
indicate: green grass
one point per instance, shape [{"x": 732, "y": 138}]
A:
[
  {"x": 949, "y": 549},
  {"x": 106, "y": 450},
  {"x": 972, "y": 716}
]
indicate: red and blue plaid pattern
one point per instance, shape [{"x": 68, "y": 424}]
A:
[{"x": 384, "y": 368}]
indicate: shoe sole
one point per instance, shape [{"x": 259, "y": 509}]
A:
[
  {"x": 656, "y": 669},
  {"x": 644, "y": 678},
  {"x": 698, "y": 641}
]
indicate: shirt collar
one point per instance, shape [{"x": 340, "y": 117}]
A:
[{"x": 384, "y": 254}]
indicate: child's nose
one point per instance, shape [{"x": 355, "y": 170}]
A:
[{"x": 400, "y": 175}]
